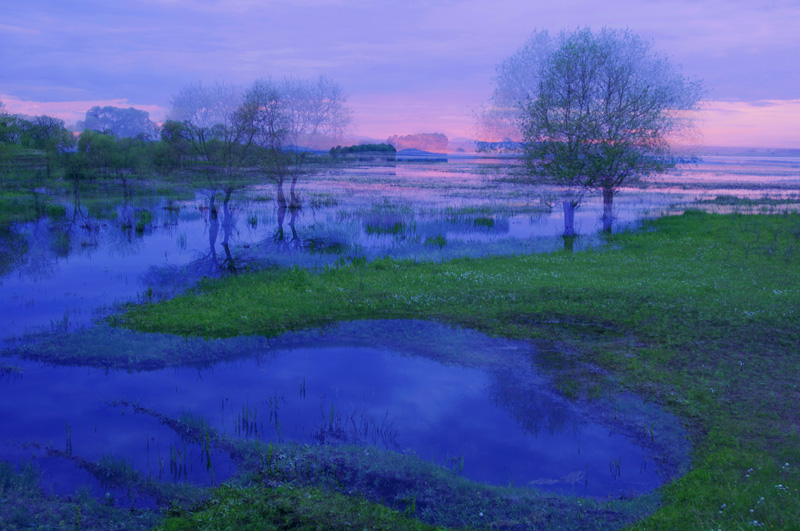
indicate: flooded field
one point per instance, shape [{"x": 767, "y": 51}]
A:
[{"x": 59, "y": 274}]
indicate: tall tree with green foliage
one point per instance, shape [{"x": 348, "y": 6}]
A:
[
  {"x": 597, "y": 110},
  {"x": 48, "y": 135}
]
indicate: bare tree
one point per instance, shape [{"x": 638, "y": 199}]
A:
[
  {"x": 313, "y": 108},
  {"x": 287, "y": 115},
  {"x": 207, "y": 115},
  {"x": 602, "y": 111}
]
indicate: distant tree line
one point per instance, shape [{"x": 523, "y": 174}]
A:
[
  {"x": 362, "y": 148},
  {"x": 219, "y": 132}
]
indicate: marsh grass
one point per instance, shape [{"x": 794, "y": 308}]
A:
[
  {"x": 143, "y": 219},
  {"x": 287, "y": 507},
  {"x": 19, "y": 207},
  {"x": 379, "y": 489},
  {"x": 436, "y": 241},
  {"x": 9, "y": 370},
  {"x": 696, "y": 312}
]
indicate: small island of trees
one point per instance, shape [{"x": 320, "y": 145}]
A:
[{"x": 365, "y": 152}]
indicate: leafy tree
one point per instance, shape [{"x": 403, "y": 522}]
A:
[
  {"x": 48, "y": 135},
  {"x": 122, "y": 123},
  {"x": 598, "y": 110},
  {"x": 206, "y": 114},
  {"x": 6, "y": 133},
  {"x": 100, "y": 153},
  {"x": 175, "y": 148},
  {"x": 202, "y": 123},
  {"x": 264, "y": 114},
  {"x": 362, "y": 148}
]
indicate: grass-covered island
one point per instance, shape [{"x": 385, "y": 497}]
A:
[{"x": 698, "y": 313}]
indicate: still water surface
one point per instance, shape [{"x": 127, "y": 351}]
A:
[{"x": 460, "y": 399}]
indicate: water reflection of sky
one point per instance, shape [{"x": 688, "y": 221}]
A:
[
  {"x": 66, "y": 270},
  {"x": 506, "y": 426}
]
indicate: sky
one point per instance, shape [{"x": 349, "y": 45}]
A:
[{"x": 409, "y": 66}]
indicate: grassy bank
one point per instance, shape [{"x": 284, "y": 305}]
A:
[{"x": 698, "y": 313}]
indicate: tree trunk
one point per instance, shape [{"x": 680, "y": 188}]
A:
[
  {"x": 228, "y": 192},
  {"x": 281, "y": 197},
  {"x": 294, "y": 199},
  {"x": 281, "y": 200},
  {"x": 569, "y": 243},
  {"x": 213, "y": 230},
  {"x": 292, "y": 220},
  {"x": 212, "y": 205},
  {"x": 569, "y": 219},
  {"x": 227, "y": 229},
  {"x": 608, "y": 213}
]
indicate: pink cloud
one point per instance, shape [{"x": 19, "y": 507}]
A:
[
  {"x": 765, "y": 123},
  {"x": 383, "y": 115}
]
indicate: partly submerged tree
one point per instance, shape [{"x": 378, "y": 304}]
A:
[
  {"x": 202, "y": 121},
  {"x": 598, "y": 110},
  {"x": 287, "y": 116}
]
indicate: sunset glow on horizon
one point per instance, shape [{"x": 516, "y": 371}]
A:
[{"x": 408, "y": 68}]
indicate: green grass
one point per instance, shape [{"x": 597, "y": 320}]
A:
[
  {"x": 287, "y": 507},
  {"x": 436, "y": 241},
  {"x": 698, "y": 313}
]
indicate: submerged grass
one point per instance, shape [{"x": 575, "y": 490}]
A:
[
  {"x": 26, "y": 506},
  {"x": 18, "y": 207},
  {"x": 331, "y": 480},
  {"x": 697, "y": 312}
]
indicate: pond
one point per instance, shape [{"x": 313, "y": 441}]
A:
[{"x": 462, "y": 400}]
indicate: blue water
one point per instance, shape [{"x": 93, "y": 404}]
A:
[{"x": 460, "y": 399}]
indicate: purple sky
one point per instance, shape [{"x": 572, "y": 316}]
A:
[{"x": 409, "y": 67}]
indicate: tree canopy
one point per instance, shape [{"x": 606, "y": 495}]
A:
[
  {"x": 596, "y": 109},
  {"x": 122, "y": 123}
]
